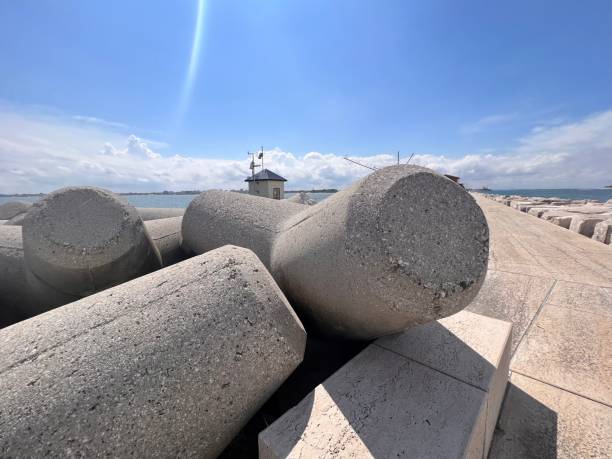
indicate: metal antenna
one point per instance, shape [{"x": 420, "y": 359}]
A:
[
  {"x": 398, "y": 157},
  {"x": 261, "y": 156},
  {"x": 359, "y": 164},
  {"x": 410, "y": 158}
]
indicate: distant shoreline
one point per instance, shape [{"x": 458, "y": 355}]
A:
[{"x": 166, "y": 193}]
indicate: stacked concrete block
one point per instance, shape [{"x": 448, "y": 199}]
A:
[
  {"x": 77, "y": 241},
  {"x": 14, "y": 297},
  {"x": 170, "y": 364},
  {"x": 11, "y": 209},
  {"x": 584, "y": 225},
  {"x": 579, "y": 215},
  {"x": 166, "y": 235},
  {"x": 154, "y": 213},
  {"x": 603, "y": 232},
  {"x": 401, "y": 247},
  {"x": 432, "y": 391}
]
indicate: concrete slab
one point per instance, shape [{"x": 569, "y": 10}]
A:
[
  {"x": 581, "y": 297},
  {"x": 569, "y": 349},
  {"x": 511, "y": 297},
  {"x": 541, "y": 421},
  {"x": 432, "y": 391}
]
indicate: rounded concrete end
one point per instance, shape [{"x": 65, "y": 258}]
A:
[
  {"x": 425, "y": 247},
  {"x": 82, "y": 239}
]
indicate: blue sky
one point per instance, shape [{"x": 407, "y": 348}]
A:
[{"x": 450, "y": 81}]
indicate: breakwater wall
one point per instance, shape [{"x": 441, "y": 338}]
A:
[{"x": 590, "y": 218}]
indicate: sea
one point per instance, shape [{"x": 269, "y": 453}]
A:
[{"x": 157, "y": 200}]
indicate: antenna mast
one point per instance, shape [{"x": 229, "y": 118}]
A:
[{"x": 359, "y": 164}]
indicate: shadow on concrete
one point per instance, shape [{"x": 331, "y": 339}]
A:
[
  {"x": 322, "y": 358},
  {"x": 389, "y": 400},
  {"x": 525, "y": 429}
]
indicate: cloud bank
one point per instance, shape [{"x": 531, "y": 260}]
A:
[{"x": 43, "y": 152}]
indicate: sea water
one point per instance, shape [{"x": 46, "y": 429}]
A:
[{"x": 157, "y": 200}]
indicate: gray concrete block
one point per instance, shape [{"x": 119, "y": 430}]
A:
[
  {"x": 81, "y": 240},
  {"x": 17, "y": 220},
  {"x": 14, "y": 297},
  {"x": 166, "y": 235},
  {"x": 154, "y": 213},
  {"x": 9, "y": 210},
  {"x": 432, "y": 391},
  {"x": 170, "y": 364},
  {"x": 401, "y": 247}
]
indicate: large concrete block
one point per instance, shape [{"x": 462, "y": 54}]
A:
[
  {"x": 432, "y": 391},
  {"x": 170, "y": 364},
  {"x": 401, "y": 247},
  {"x": 584, "y": 225},
  {"x": 154, "y": 213},
  {"x": 166, "y": 235},
  {"x": 603, "y": 232},
  {"x": 9, "y": 210},
  {"x": 78, "y": 241}
]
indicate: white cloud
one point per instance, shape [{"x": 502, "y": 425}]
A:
[
  {"x": 487, "y": 122},
  {"x": 42, "y": 152}
]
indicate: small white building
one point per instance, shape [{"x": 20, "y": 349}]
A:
[{"x": 267, "y": 184}]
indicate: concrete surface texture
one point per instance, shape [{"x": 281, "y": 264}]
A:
[
  {"x": 9, "y": 210},
  {"x": 17, "y": 220},
  {"x": 432, "y": 391},
  {"x": 154, "y": 213},
  {"x": 579, "y": 216},
  {"x": 302, "y": 198},
  {"x": 603, "y": 232},
  {"x": 14, "y": 298},
  {"x": 81, "y": 240},
  {"x": 401, "y": 247},
  {"x": 556, "y": 287},
  {"x": 215, "y": 218},
  {"x": 166, "y": 235},
  {"x": 170, "y": 364}
]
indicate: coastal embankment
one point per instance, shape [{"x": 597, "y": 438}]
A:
[{"x": 588, "y": 217}]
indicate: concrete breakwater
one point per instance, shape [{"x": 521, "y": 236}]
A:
[
  {"x": 128, "y": 355},
  {"x": 401, "y": 247},
  {"x": 171, "y": 364},
  {"x": 590, "y": 218}
]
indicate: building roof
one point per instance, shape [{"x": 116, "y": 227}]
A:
[{"x": 265, "y": 174}]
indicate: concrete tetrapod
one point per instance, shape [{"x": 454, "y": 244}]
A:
[
  {"x": 10, "y": 209},
  {"x": 154, "y": 213},
  {"x": 402, "y": 246},
  {"x": 81, "y": 240},
  {"x": 14, "y": 298},
  {"x": 166, "y": 235},
  {"x": 171, "y": 364}
]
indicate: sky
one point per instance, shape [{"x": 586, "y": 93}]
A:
[{"x": 151, "y": 96}]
